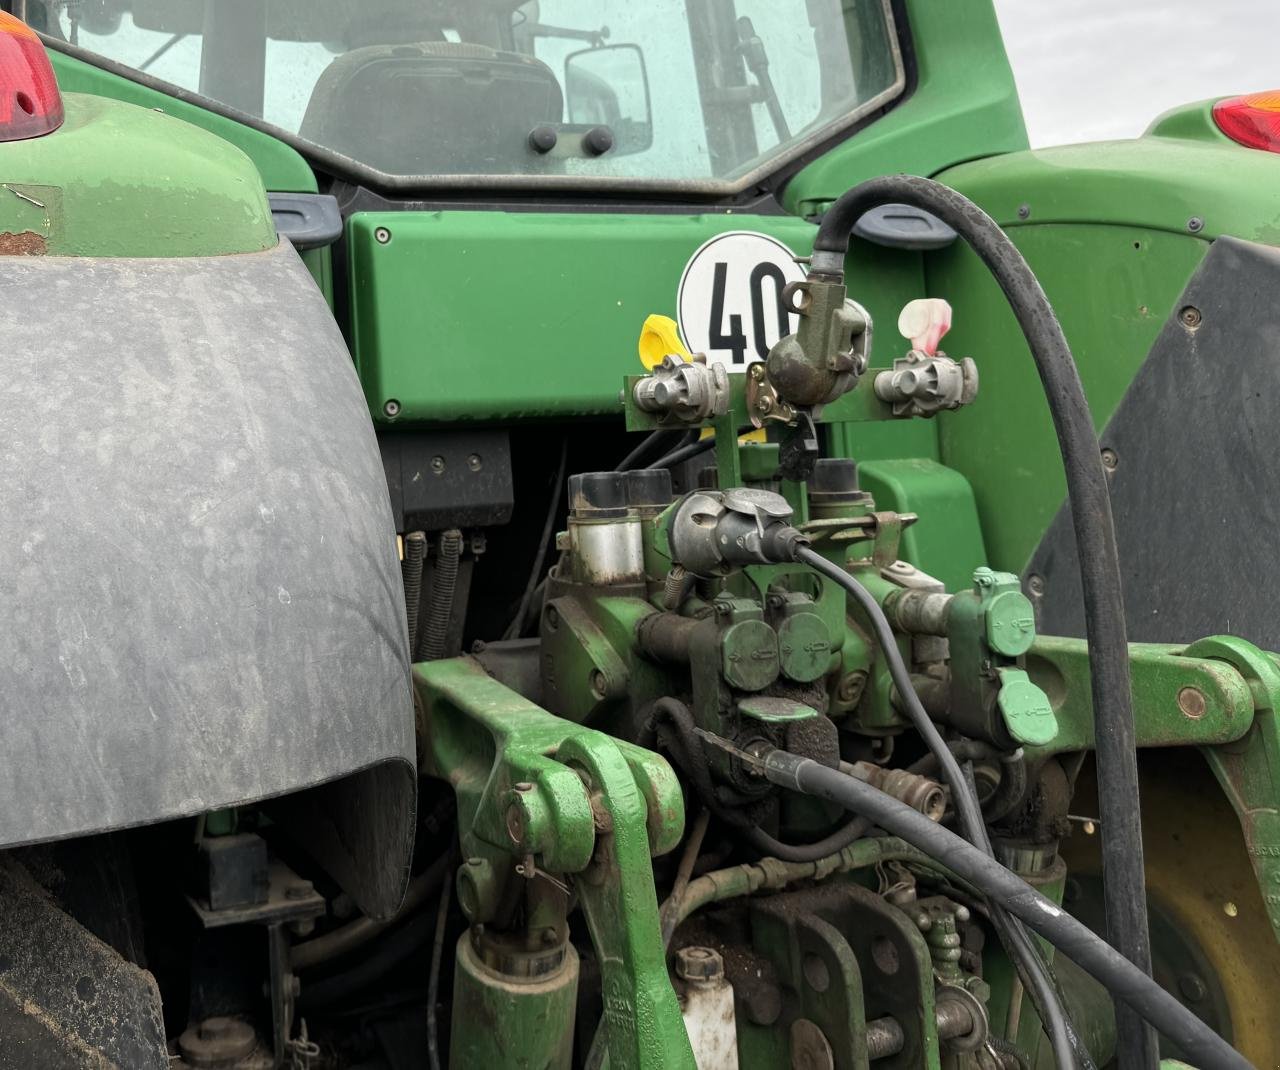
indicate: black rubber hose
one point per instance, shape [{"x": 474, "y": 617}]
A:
[
  {"x": 516, "y": 627},
  {"x": 684, "y": 453},
  {"x": 654, "y": 442},
  {"x": 1116, "y": 742},
  {"x": 444, "y": 586},
  {"x": 1198, "y": 1043},
  {"x": 685, "y": 747},
  {"x": 389, "y": 952},
  {"x": 1068, "y": 1048}
]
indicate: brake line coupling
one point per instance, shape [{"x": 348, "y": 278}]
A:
[
  {"x": 714, "y": 533},
  {"x": 926, "y": 381}
]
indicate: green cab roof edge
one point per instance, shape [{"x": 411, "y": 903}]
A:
[{"x": 125, "y": 181}]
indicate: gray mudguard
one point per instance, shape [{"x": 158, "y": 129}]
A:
[{"x": 200, "y": 596}]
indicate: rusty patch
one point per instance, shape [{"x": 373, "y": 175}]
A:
[{"x": 23, "y": 243}]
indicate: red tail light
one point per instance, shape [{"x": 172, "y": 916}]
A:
[
  {"x": 1252, "y": 120},
  {"x": 30, "y": 104}
]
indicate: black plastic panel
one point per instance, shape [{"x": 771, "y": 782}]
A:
[{"x": 1196, "y": 483}]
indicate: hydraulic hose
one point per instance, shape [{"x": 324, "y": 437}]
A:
[
  {"x": 1199, "y": 1044},
  {"x": 516, "y": 627},
  {"x": 1067, "y": 1047},
  {"x": 1087, "y": 495},
  {"x": 685, "y": 748}
]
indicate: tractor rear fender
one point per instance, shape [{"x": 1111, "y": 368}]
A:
[{"x": 198, "y": 573}]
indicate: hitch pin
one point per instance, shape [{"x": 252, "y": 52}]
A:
[{"x": 529, "y": 871}]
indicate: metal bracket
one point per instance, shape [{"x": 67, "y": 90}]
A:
[
  {"x": 1249, "y": 768},
  {"x": 573, "y": 803}
]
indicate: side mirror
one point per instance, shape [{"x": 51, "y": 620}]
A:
[{"x": 609, "y": 86}]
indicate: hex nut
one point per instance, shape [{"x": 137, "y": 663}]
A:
[{"x": 698, "y": 964}]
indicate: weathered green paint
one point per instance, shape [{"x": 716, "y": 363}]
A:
[
  {"x": 574, "y": 801},
  {"x": 1249, "y": 770},
  {"x": 495, "y": 315},
  {"x": 946, "y": 541},
  {"x": 964, "y": 105},
  {"x": 1107, "y": 235},
  {"x": 1112, "y": 288},
  {"x": 117, "y": 180},
  {"x": 524, "y": 1025},
  {"x": 1060, "y": 667},
  {"x": 282, "y": 168},
  {"x": 1152, "y": 183}
]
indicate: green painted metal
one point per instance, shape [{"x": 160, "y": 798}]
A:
[
  {"x": 1189, "y": 122},
  {"x": 117, "y": 180},
  {"x": 1112, "y": 288},
  {"x": 1105, "y": 228},
  {"x": 561, "y": 297},
  {"x": 947, "y": 540},
  {"x": 525, "y": 1024},
  {"x": 1152, "y": 183},
  {"x": 1249, "y": 770},
  {"x": 281, "y": 167},
  {"x": 963, "y": 105},
  {"x": 1222, "y": 712},
  {"x": 559, "y": 798}
]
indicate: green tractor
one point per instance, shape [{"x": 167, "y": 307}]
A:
[{"x": 476, "y": 596}]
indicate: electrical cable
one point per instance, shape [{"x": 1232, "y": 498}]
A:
[
  {"x": 1090, "y": 505},
  {"x": 517, "y": 623},
  {"x": 661, "y": 440},
  {"x": 433, "y": 978},
  {"x": 1068, "y": 1049},
  {"x": 1198, "y": 1043},
  {"x": 684, "y": 453}
]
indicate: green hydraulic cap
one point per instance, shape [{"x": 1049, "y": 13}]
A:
[
  {"x": 1027, "y": 711},
  {"x": 119, "y": 180},
  {"x": 1010, "y": 618}
]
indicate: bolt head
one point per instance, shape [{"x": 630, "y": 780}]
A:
[
  {"x": 1024, "y": 211},
  {"x": 437, "y": 464},
  {"x": 382, "y": 235},
  {"x": 1192, "y": 987},
  {"x": 1190, "y": 317},
  {"x": 391, "y": 408},
  {"x": 474, "y": 462},
  {"x": 1195, "y": 224}
]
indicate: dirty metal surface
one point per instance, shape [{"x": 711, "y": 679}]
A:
[
  {"x": 1193, "y": 469},
  {"x": 197, "y": 561}
]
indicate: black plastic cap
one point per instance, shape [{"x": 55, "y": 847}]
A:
[
  {"x": 598, "y": 140},
  {"x": 542, "y": 139},
  {"x": 649, "y": 489},
  {"x": 598, "y": 495},
  {"x": 834, "y": 476}
]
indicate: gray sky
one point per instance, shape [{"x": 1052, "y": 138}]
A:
[{"x": 1090, "y": 70}]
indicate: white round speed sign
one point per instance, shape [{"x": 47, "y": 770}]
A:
[{"x": 730, "y": 297}]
